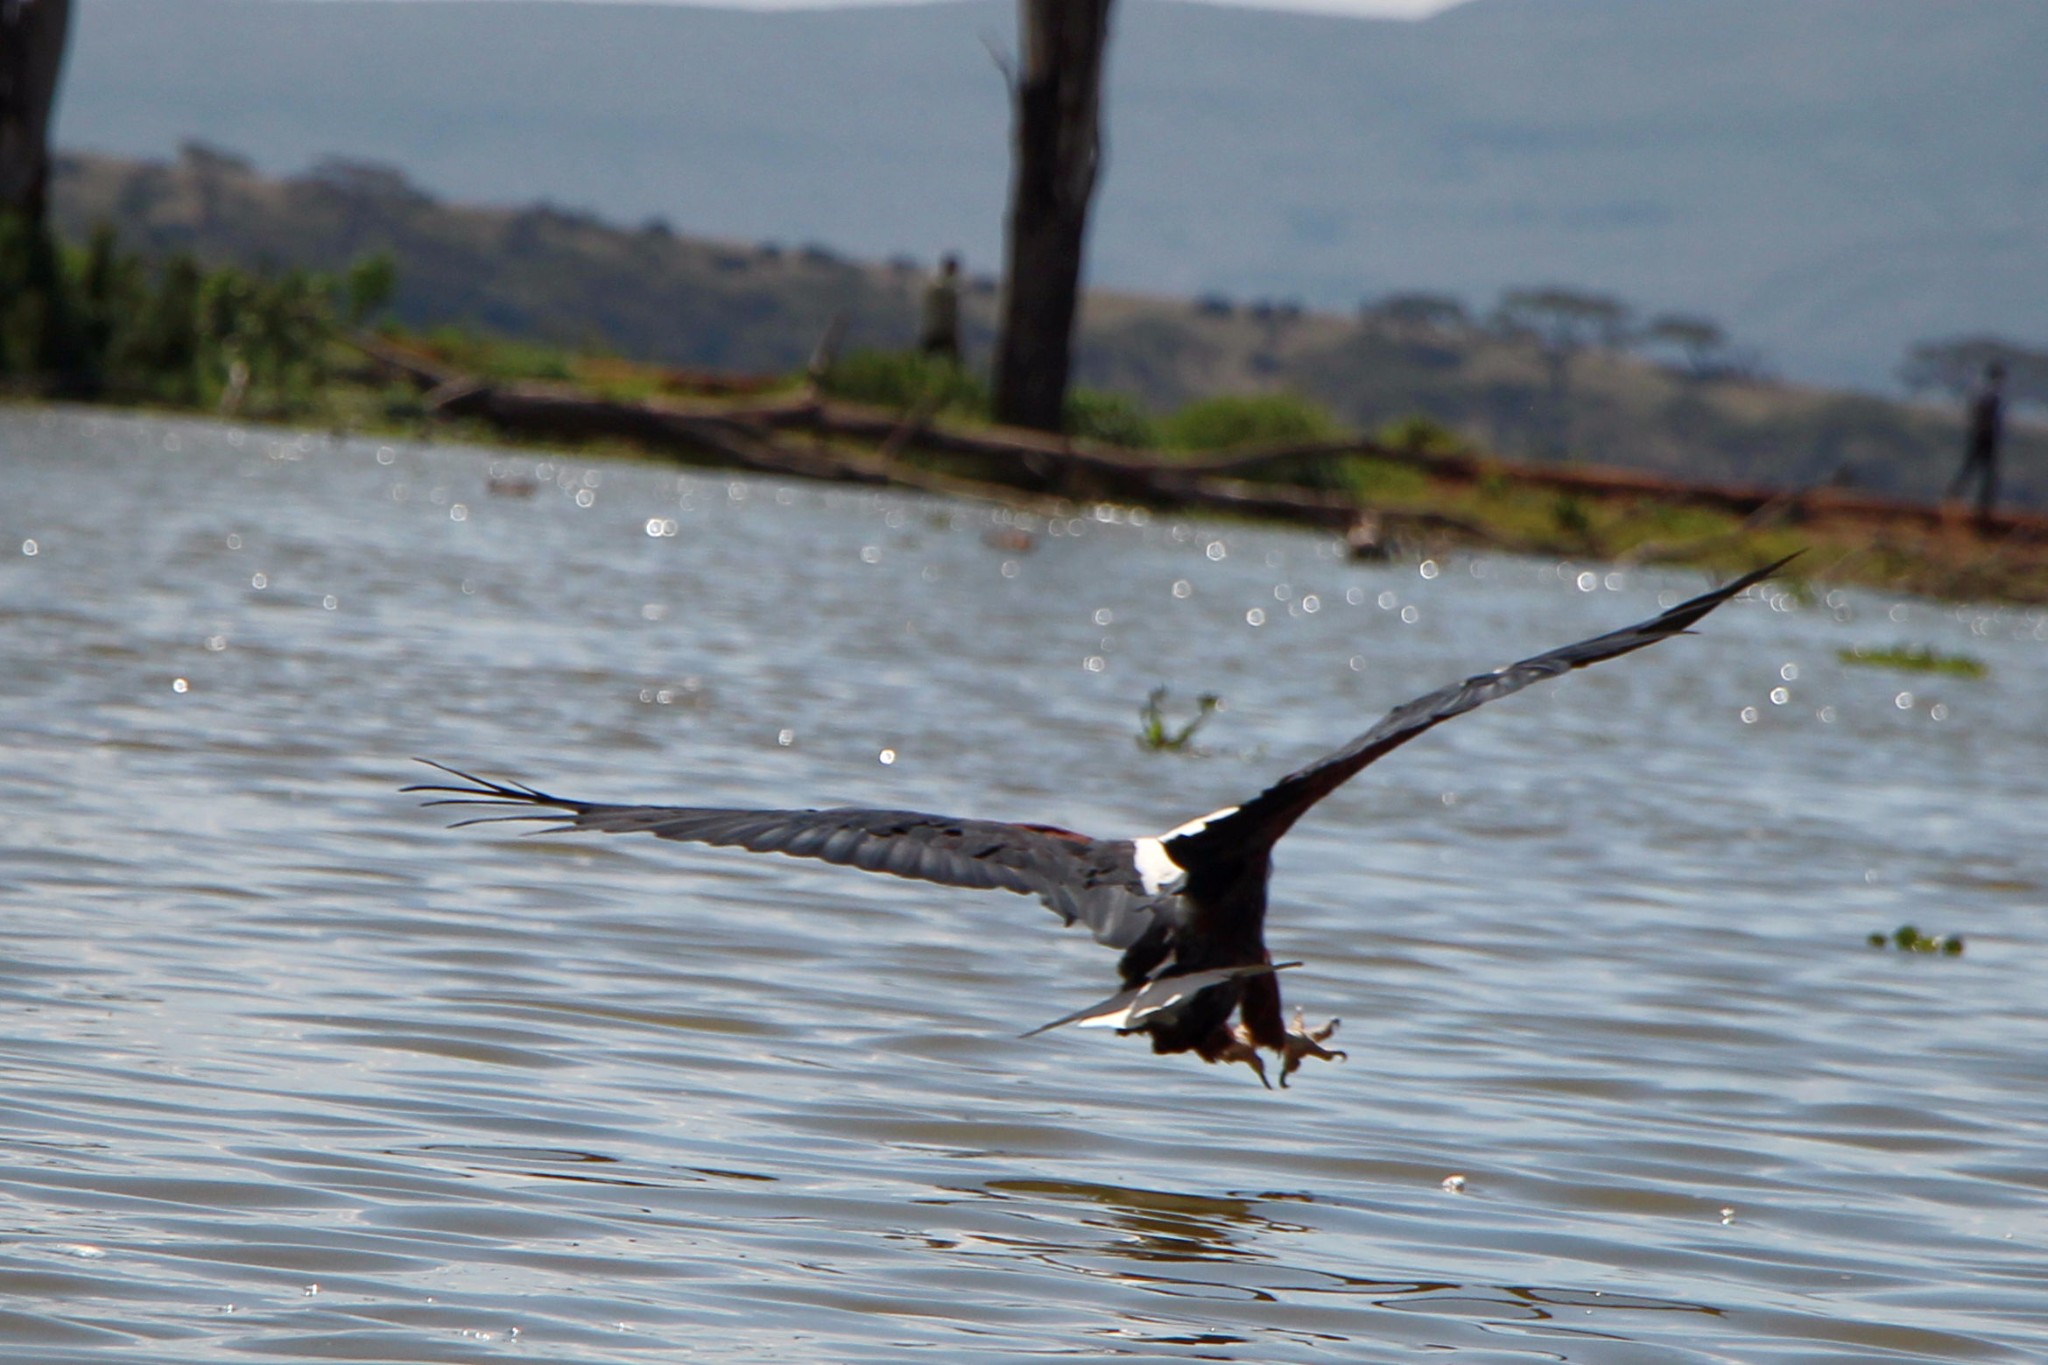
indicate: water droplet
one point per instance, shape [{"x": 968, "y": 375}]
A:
[
  {"x": 1452, "y": 1184},
  {"x": 330, "y": 602},
  {"x": 1780, "y": 695},
  {"x": 1355, "y": 596},
  {"x": 1904, "y": 701},
  {"x": 1183, "y": 588},
  {"x": 1255, "y": 617},
  {"x": 1387, "y": 600},
  {"x": 585, "y": 498},
  {"x": 458, "y": 512},
  {"x": 1588, "y": 581},
  {"x": 1826, "y": 715},
  {"x": 1428, "y": 568},
  {"x": 1614, "y": 582},
  {"x": 1898, "y": 613},
  {"x": 1216, "y": 550},
  {"x": 260, "y": 581},
  {"x": 1103, "y": 616},
  {"x": 870, "y": 554},
  {"x": 1749, "y": 715},
  {"x": 785, "y": 737},
  {"x": 886, "y": 757},
  {"x": 1727, "y": 1217},
  {"x": 1938, "y": 711},
  {"x": 234, "y": 541},
  {"x": 30, "y": 548},
  {"x": 653, "y": 611},
  {"x": 1449, "y": 798},
  {"x": 385, "y": 454},
  {"x": 1095, "y": 663},
  {"x": 1409, "y": 616},
  {"x": 216, "y": 643},
  {"x": 1010, "y": 568},
  {"x": 1790, "y": 672},
  {"x": 1282, "y": 591},
  {"x": 1311, "y": 604}
]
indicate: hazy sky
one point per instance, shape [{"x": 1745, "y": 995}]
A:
[{"x": 1412, "y": 9}]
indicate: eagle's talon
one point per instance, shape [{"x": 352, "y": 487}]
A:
[
  {"x": 1239, "y": 1047},
  {"x": 1303, "y": 1041}
]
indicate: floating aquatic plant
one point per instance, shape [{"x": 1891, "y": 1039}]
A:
[
  {"x": 1153, "y": 734},
  {"x": 1915, "y": 659},
  {"x": 1907, "y": 939}
]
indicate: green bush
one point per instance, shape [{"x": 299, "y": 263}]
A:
[
  {"x": 1421, "y": 435},
  {"x": 1381, "y": 480},
  {"x": 94, "y": 320},
  {"x": 1111, "y": 418},
  {"x": 905, "y": 380},
  {"x": 1243, "y": 420}
]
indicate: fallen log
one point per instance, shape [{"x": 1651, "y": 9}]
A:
[{"x": 1010, "y": 465}]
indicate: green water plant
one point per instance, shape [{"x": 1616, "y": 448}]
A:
[
  {"x": 1154, "y": 735},
  {"x": 1915, "y": 659},
  {"x": 1907, "y": 939}
]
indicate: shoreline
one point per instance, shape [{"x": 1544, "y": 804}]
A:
[{"x": 1418, "y": 503}]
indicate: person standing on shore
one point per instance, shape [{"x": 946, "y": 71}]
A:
[
  {"x": 940, "y": 334},
  {"x": 1987, "y": 428}
]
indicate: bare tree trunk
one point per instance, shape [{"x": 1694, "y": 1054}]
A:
[
  {"x": 31, "y": 53},
  {"x": 1058, "y": 150}
]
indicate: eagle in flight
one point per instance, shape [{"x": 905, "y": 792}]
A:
[{"x": 1186, "y": 908}]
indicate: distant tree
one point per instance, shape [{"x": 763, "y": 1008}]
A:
[
  {"x": 1423, "y": 311},
  {"x": 368, "y": 287},
  {"x": 363, "y": 180},
  {"x": 1955, "y": 367},
  {"x": 1561, "y": 322},
  {"x": 1057, "y": 152},
  {"x": 32, "y": 34},
  {"x": 1699, "y": 342},
  {"x": 1565, "y": 320}
]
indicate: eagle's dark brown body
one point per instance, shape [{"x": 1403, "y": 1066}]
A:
[{"x": 1187, "y": 908}]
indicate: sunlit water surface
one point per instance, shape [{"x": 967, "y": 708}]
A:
[{"x": 292, "y": 1071}]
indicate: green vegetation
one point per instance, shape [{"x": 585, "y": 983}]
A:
[
  {"x": 1419, "y": 434},
  {"x": 908, "y": 381},
  {"x": 1248, "y": 421},
  {"x": 1907, "y": 939},
  {"x": 1915, "y": 659},
  {"x": 97, "y": 322},
  {"x": 1110, "y": 418},
  {"x": 1154, "y": 736}
]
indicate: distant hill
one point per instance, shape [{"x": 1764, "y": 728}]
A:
[
  {"x": 546, "y": 273},
  {"x": 1831, "y": 179}
]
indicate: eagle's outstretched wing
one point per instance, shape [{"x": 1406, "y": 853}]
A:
[
  {"x": 1259, "y": 822},
  {"x": 1092, "y": 881}
]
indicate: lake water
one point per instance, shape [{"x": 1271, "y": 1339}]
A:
[{"x": 292, "y": 1071}]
